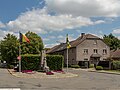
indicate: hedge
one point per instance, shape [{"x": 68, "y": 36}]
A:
[
  {"x": 116, "y": 65},
  {"x": 99, "y": 68},
  {"x": 32, "y": 62},
  {"x": 55, "y": 62},
  {"x": 91, "y": 66},
  {"x": 75, "y": 66}
]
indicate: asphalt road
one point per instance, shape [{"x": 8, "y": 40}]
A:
[{"x": 84, "y": 81}]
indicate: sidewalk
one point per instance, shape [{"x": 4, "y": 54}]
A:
[
  {"x": 98, "y": 71},
  {"x": 40, "y": 75},
  {"x": 103, "y": 71}
]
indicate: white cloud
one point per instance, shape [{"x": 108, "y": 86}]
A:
[
  {"x": 50, "y": 45},
  {"x": 2, "y": 25},
  {"x": 99, "y": 22},
  {"x": 4, "y": 33},
  {"x": 39, "y": 21},
  {"x": 85, "y": 8},
  {"x": 118, "y": 37},
  {"x": 48, "y": 38},
  {"x": 116, "y": 31}
]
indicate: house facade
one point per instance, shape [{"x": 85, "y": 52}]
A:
[{"x": 85, "y": 50}]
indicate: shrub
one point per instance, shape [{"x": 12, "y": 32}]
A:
[
  {"x": 99, "y": 68},
  {"x": 116, "y": 65},
  {"x": 30, "y": 62},
  {"x": 40, "y": 71},
  {"x": 75, "y": 66},
  {"x": 10, "y": 66},
  {"x": 91, "y": 66},
  {"x": 55, "y": 62}
]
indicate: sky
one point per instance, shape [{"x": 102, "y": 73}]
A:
[{"x": 53, "y": 19}]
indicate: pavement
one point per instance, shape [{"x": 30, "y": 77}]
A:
[
  {"x": 35, "y": 74},
  {"x": 56, "y": 74},
  {"x": 102, "y": 71},
  {"x": 85, "y": 80}
]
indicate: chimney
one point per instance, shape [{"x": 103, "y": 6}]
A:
[{"x": 82, "y": 35}]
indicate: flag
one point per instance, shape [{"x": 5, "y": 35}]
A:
[
  {"x": 67, "y": 42},
  {"x": 23, "y": 38}
]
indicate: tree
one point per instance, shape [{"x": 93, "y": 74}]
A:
[
  {"x": 112, "y": 41},
  {"x": 9, "y": 48},
  {"x": 35, "y": 46}
]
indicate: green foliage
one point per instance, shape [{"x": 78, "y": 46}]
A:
[
  {"x": 91, "y": 66},
  {"x": 116, "y": 65},
  {"x": 30, "y": 62},
  {"x": 10, "y": 66},
  {"x": 75, "y": 66},
  {"x": 35, "y": 46},
  {"x": 40, "y": 71},
  {"x": 112, "y": 41},
  {"x": 9, "y": 48},
  {"x": 99, "y": 68},
  {"x": 55, "y": 62}
]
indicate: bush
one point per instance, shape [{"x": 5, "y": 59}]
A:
[
  {"x": 40, "y": 71},
  {"x": 30, "y": 62},
  {"x": 116, "y": 65},
  {"x": 91, "y": 66},
  {"x": 75, "y": 66},
  {"x": 99, "y": 68},
  {"x": 10, "y": 66},
  {"x": 55, "y": 62}
]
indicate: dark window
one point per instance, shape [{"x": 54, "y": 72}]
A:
[
  {"x": 85, "y": 51},
  {"x": 104, "y": 51},
  {"x": 85, "y": 59},
  {"x": 95, "y": 51}
]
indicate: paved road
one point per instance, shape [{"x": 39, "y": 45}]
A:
[{"x": 85, "y": 81}]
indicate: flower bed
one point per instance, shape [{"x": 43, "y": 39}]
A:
[
  {"x": 58, "y": 71},
  {"x": 49, "y": 73},
  {"x": 26, "y": 71}
]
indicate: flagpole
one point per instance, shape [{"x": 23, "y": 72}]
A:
[
  {"x": 67, "y": 59},
  {"x": 19, "y": 56}
]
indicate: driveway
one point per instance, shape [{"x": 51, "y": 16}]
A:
[{"x": 84, "y": 81}]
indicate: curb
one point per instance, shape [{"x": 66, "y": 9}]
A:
[
  {"x": 105, "y": 72},
  {"x": 9, "y": 71},
  {"x": 12, "y": 74},
  {"x": 68, "y": 76}
]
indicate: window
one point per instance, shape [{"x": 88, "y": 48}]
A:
[
  {"x": 104, "y": 51},
  {"x": 85, "y": 51},
  {"x": 85, "y": 59},
  {"x": 95, "y": 51}
]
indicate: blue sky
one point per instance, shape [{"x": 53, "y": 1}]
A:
[{"x": 53, "y": 19}]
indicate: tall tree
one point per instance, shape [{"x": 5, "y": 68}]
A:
[
  {"x": 112, "y": 41},
  {"x": 35, "y": 46},
  {"x": 9, "y": 48}
]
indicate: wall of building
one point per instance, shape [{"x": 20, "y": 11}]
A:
[
  {"x": 91, "y": 44},
  {"x": 71, "y": 56}
]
